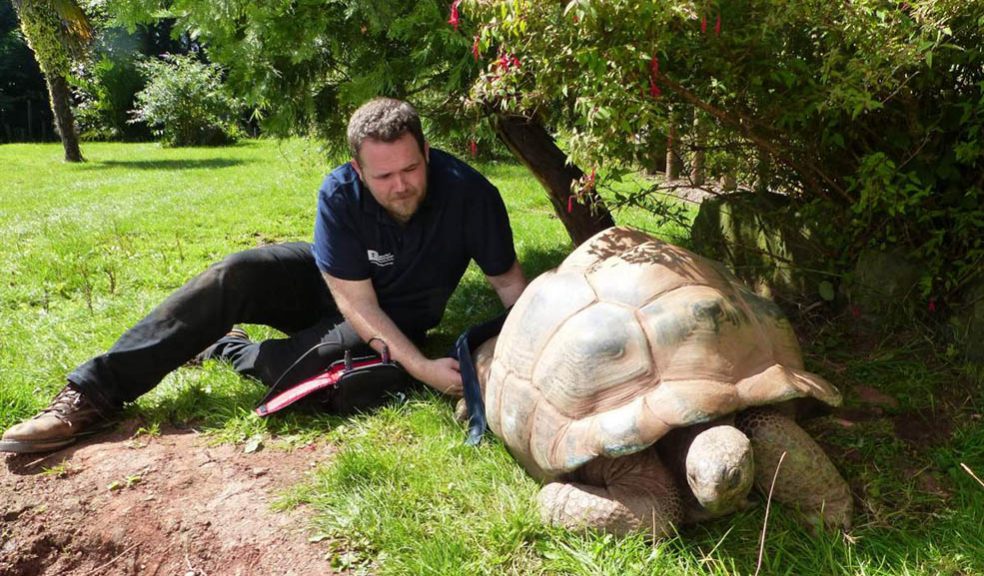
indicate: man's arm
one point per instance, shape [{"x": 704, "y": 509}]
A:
[
  {"x": 356, "y": 300},
  {"x": 509, "y": 285}
]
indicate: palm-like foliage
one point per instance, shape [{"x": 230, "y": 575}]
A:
[{"x": 58, "y": 32}]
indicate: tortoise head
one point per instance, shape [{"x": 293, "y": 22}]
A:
[{"x": 720, "y": 470}]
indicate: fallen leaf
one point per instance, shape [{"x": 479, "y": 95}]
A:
[{"x": 254, "y": 444}]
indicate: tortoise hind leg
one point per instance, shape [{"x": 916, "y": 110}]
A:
[
  {"x": 807, "y": 478},
  {"x": 633, "y": 493}
]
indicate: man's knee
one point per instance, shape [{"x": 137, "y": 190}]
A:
[{"x": 240, "y": 269}]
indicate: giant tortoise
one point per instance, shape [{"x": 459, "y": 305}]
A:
[{"x": 646, "y": 386}]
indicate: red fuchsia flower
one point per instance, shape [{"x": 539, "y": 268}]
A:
[
  {"x": 515, "y": 62},
  {"x": 932, "y": 305},
  {"x": 654, "y": 90},
  {"x": 473, "y": 148},
  {"x": 570, "y": 203},
  {"x": 591, "y": 179},
  {"x": 455, "y": 17},
  {"x": 703, "y": 24},
  {"x": 475, "y": 49},
  {"x": 855, "y": 311},
  {"x": 717, "y": 26}
]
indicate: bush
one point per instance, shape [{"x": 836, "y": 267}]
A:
[
  {"x": 106, "y": 92},
  {"x": 870, "y": 113},
  {"x": 185, "y": 103},
  {"x": 106, "y": 84}
]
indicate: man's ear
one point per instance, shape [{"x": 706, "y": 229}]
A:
[
  {"x": 358, "y": 169},
  {"x": 427, "y": 149}
]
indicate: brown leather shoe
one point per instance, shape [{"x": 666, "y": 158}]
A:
[{"x": 70, "y": 416}]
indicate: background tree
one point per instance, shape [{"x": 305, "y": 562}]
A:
[
  {"x": 58, "y": 32},
  {"x": 868, "y": 113},
  {"x": 24, "y": 113},
  {"x": 304, "y": 67}
]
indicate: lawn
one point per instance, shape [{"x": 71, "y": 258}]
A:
[{"x": 88, "y": 249}]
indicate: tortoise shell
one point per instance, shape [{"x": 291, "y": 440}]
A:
[{"x": 627, "y": 339}]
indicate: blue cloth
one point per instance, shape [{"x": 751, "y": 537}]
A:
[
  {"x": 471, "y": 387},
  {"x": 413, "y": 268}
]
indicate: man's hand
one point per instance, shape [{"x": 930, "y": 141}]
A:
[
  {"x": 442, "y": 375},
  {"x": 356, "y": 300}
]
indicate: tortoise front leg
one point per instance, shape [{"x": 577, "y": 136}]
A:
[
  {"x": 633, "y": 493},
  {"x": 807, "y": 478}
]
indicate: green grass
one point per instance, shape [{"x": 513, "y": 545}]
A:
[{"x": 89, "y": 249}]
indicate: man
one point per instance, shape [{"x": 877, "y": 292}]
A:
[{"x": 394, "y": 232}]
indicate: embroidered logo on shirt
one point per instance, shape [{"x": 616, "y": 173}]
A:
[{"x": 380, "y": 259}]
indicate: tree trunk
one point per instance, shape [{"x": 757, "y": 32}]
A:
[
  {"x": 697, "y": 164},
  {"x": 728, "y": 181},
  {"x": 64, "y": 119},
  {"x": 656, "y": 163},
  {"x": 763, "y": 173},
  {"x": 532, "y": 145},
  {"x": 673, "y": 160}
]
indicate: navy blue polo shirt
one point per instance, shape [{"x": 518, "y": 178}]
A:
[{"x": 415, "y": 267}]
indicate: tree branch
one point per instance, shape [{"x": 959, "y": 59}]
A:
[{"x": 744, "y": 126}]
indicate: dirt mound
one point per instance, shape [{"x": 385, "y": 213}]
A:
[{"x": 155, "y": 505}]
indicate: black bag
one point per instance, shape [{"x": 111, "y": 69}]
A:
[{"x": 349, "y": 385}]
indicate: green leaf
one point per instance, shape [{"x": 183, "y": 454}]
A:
[{"x": 826, "y": 291}]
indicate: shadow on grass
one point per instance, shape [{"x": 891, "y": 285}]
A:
[
  {"x": 214, "y": 399},
  {"x": 188, "y": 164},
  {"x": 475, "y": 302}
]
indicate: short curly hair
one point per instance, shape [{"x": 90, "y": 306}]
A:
[{"x": 383, "y": 119}]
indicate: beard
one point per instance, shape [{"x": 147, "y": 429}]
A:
[{"x": 401, "y": 207}]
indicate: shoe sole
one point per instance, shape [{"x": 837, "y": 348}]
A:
[
  {"x": 18, "y": 447},
  {"x": 27, "y": 447}
]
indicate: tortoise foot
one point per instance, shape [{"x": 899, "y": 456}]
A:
[
  {"x": 626, "y": 495},
  {"x": 807, "y": 481}
]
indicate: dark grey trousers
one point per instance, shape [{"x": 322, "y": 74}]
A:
[{"x": 277, "y": 285}]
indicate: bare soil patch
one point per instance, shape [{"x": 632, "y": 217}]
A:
[{"x": 155, "y": 505}]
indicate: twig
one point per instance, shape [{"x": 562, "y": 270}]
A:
[
  {"x": 117, "y": 557},
  {"x": 36, "y": 462},
  {"x": 765, "y": 522},
  {"x": 971, "y": 472}
]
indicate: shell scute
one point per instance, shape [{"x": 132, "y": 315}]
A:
[
  {"x": 554, "y": 297},
  {"x": 598, "y": 359}
]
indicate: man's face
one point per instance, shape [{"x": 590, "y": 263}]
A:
[{"x": 395, "y": 173}]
